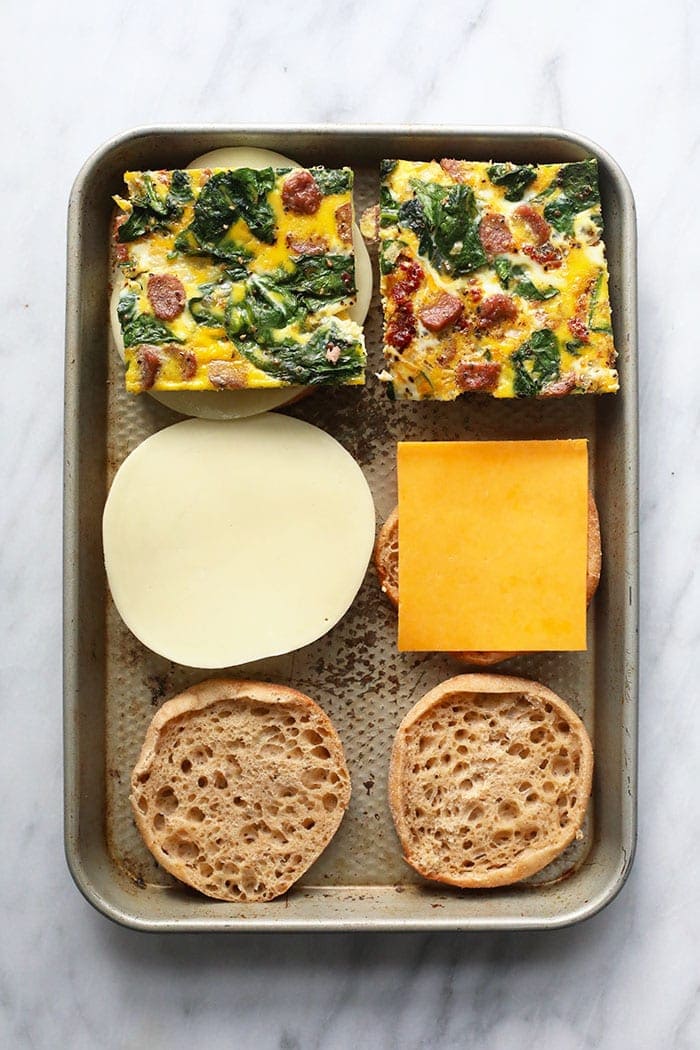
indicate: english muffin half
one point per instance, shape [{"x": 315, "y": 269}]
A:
[
  {"x": 239, "y": 787},
  {"x": 489, "y": 781}
]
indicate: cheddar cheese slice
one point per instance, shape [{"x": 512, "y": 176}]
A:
[{"x": 493, "y": 545}]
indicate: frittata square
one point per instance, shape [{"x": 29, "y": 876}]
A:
[
  {"x": 238, "y": 278},
  {"x": 494, "y": 279}
]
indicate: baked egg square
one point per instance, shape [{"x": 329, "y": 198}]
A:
[
  {"x": 494, "y": 279},
  {"x": 237, "y": 278}
]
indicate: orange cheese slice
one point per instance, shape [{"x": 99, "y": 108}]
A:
[{"x": 492, "y": 549}]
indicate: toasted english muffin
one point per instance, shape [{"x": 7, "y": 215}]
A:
[
  {"x": 490, "y": 778},
  {"x": 386, "y": 561},
  {"x": 239, "y": 787}
]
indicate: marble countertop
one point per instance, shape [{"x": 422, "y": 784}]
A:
[{"x": 622, "y": 74}]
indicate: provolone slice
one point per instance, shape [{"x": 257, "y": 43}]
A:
[
  {"x": 227, "y": 542},
  {"x": 242, "y": 157}
]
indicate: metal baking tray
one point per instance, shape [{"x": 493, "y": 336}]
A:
[{"x": 113, "y": 684}]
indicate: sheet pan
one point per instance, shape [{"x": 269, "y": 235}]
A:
[{"x": 112, "y": 684}]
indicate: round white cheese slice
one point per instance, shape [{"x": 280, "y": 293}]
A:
[
  {"x": 242, "y": 157},
  {"x": 227, "y": 542},
  {"x": 238, "y": 404}
]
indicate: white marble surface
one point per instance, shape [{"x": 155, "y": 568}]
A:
[{"x": 625, "y": 74}]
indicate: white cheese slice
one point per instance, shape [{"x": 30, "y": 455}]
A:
[
  {"x": 242, "y": 157},
  {"x": 238, "y": 404},
  {"x": 227, "y": 542}
]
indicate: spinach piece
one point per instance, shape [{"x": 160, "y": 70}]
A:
[
  {"x": 152, "y": 199},
  {"x": 139, "y": 222},
  {"x": 560, "y": 214},
  {"x": 234, "y": 254},
  {"x": 429, "y": 195},
  {"x": 248, "y": 191},
  {"x": 236, "y": 270},
  {"x": 456, "y": 236},
  {"x": 126, "y": 307},
  {"x": 386, "y": 167},
  {"x": 145, "y": 328},
  {"x": 206, "y": 312},
  {"x": 262, "y": 304},
  {"x": 579, "y": 183},
  {"x": 593, "y": 306},
  {"x": 388, "y": 208},
  {"x": 574, "y": 347},
  {"x": 527, "y": 290},
  {"x": 150, "y": 211},
  {"x": 536, "y": 363},
  {"x": 515, "y": 177},
  {"x": 470, "y": 256},
  {"x": 187, "y": 242},
  {"x": 411, "y": 216},
  {"x": 180, "y": 189},
  {"x": 506, "y": 271},
  {"x": 445, "y": 221},
  {"x": 265, "y": 308},
  {"x": 595, "y": 296},
  {"x": 321, "y": 279},
  {"x": 228, "y": 196},
  {"x": 307, "y": 364},
  {"x": 331, "y": 181},
  {"x": 140, "y": 328},
  {"x": 209, "y": 308}
]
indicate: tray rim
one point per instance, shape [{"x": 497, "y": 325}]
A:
[{"x": 277, "y": 923}]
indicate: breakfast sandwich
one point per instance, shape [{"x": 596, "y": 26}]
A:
[
  {"x": 494, "y": 279},
  {"x": 237, "y": 278}
]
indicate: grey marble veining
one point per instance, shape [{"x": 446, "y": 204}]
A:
[{"x": 626, "y": 75}]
